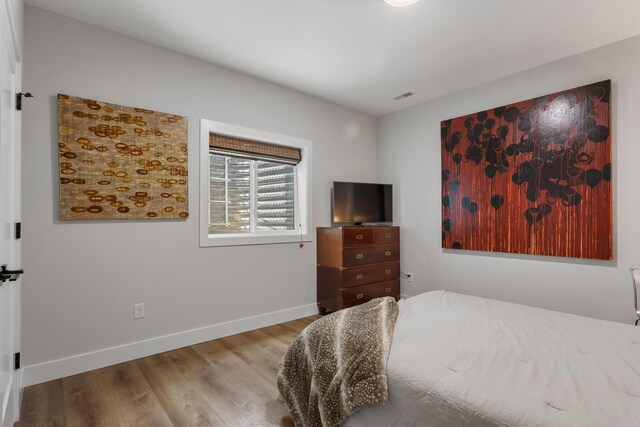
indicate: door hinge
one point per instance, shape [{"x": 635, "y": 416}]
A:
[
  {"x": 16, "y": 361},
  {"x": 18, "y": 230},
  {"x": 19, "y": 96}
]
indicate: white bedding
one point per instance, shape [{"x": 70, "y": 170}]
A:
[{"x": 461, "y": 360}]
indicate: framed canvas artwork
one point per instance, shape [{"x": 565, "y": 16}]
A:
[
  {"x": 532, "y": 177},
  {"x": 120, "y": 162}
]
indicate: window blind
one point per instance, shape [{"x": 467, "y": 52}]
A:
[{"x": 255, "y": 150}]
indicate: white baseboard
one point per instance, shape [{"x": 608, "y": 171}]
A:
[
  {"x": 60, "y": 368},
  {"x": 19, "y": 376}
]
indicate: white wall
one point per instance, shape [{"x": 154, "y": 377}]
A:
[
  {"x": 83, "y": 278},
  {"x": 409, "y": 158}
]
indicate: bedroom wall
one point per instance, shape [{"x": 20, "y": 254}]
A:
[
  {"x": 409, "y": 158},
  {"x": 83, "y": 278}
]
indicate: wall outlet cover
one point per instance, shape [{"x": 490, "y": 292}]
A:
[{"x": 138, "y": 311}]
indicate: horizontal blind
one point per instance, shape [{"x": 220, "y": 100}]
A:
[{"x": 256, "y": 150}]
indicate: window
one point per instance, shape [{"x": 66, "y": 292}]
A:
[
  {"x": 255, "y": 186},
  {"x": 240, "y": 186}
]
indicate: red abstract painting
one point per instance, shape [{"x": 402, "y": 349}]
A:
[{"x": 532, "y": 177}]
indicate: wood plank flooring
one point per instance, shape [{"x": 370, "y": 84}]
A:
[{"x": 227, "y": 382}]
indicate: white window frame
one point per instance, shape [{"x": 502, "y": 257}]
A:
[{"x": 303, "y": 188}]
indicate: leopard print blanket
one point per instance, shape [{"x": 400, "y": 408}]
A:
[{"x": 338, "y": 364}]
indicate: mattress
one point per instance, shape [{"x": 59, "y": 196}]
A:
[{"x": 460, "y": 360}]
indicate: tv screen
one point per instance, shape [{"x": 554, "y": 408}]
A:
[{"x": 357, "y": 203}]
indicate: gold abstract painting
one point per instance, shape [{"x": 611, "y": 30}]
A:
[{"x": 120, "y": 162}]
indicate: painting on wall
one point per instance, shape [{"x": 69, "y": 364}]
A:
[
  {"x": 532, "y": 177},
  {"x": 120, "y": 162}
]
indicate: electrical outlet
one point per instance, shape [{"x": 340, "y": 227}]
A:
[
  {"x": 138, "y": 311},
  {"x": 410, "y": 277}
]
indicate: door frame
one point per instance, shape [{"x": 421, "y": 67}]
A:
[{"x": 11, "y": 13}]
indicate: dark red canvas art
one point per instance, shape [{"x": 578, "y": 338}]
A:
[{"x": 532, "y": 177}]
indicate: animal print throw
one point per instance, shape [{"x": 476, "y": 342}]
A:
[{"x": 338, "y": 364}]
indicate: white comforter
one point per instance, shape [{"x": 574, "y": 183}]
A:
[{"x": 461, "y": 360}]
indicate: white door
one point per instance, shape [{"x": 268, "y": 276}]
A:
[{"x": 9, "y": 212}]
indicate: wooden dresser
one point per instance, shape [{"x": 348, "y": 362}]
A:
[{"x": 356, "y": 264}]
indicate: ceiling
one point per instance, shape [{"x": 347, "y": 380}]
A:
[{"x": 362, "y": 53}]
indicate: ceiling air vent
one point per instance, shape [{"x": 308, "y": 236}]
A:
[{"x": 404, "y": 95}]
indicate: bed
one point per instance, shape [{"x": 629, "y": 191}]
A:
[{"x": 460, "y": 360}]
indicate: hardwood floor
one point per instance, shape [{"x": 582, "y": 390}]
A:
[{"x": 226, "y": 382}]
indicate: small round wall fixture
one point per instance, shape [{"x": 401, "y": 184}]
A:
[{"x": 400, "y": 3}]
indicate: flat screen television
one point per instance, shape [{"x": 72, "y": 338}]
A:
[{"x": 355, "y": 203}]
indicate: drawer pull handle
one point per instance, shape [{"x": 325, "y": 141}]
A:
[
  {"x": 388, "y": 290},
  {"x": 387, "y": 272},
  {"x": 359, "y": 296},
  {"x": 388, "y": 253},
  {"x": 359, "y": 236},
  {"x": 359, "y": 276},
  {"x": 359, "y": 256},
  {"x": 387, "y": 236}
]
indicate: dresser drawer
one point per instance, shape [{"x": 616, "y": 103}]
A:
[
  {"x": 355, "y": 276},
  {"x": 360, "y": 294},
  {"x": 386, "y": 235},
  {"x": 355, "y": 236},
  {"x": 370, "y": 255}
]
